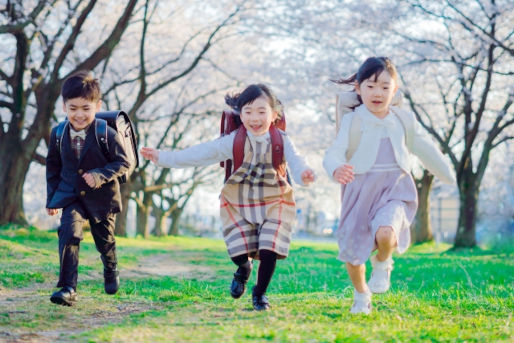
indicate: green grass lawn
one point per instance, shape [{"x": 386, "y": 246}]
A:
[{"x": 438, "y": 295}]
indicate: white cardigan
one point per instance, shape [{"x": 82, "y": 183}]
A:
[
  {"x": 372, "y": 131},
  {"x": 220, "y": 149}
]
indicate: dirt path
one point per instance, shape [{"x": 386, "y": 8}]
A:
[{"x": 18, "y": 303}]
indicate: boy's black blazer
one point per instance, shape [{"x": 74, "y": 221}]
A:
[{"x": 64, "y": 173}]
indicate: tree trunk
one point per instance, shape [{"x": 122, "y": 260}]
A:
[
  {"x": 175, "y": 219},
  {"x": 160, "y": 222},
  {"x": 466, "y": 229},
  {"x": 143, "y": 212},
  {"x": 121, "y": 219},
  {"x": 19, "y": 143},
  {"x": 142, "y": 221},
  {"x": 12, "y": 177},
  {"x": 421, "y": 228}
]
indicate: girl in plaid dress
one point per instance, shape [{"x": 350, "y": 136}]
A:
[{"x": 257, "y": 206}]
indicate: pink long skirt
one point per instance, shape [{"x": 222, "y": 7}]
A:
[{"x": 383, "y": 196}]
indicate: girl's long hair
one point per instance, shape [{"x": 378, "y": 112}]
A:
[{"x": 372, "y": 66}]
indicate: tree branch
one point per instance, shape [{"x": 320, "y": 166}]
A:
[
  {"x": 197, "y": 59},
  {"x": 39, "y": 159},
  {"x": 5, "y": 77},
  {"x": 18, "y": 27},
  {"x": 490, "y": 35},
  {"x": 50, "y": 47},
  {"x": 495, "y": 130},
  {"x": 70, "y": 42},
  {"x": 110, "y": 43},
  {"x": 7, "y": 104},
  {"x": 503, "y": 140}
]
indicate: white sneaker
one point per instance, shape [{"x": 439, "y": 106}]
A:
[
  {"x": 380, "y": 280},
  {"x": 361, "y": 302}
]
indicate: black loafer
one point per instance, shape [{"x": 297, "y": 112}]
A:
[
  {"x": 111, "y": 281},
  {"x": 66, "y": 296},
  {"x": 260, "y": 302},
  {"x": 238, "y": 286}
]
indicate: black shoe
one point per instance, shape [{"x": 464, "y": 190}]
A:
[
  {"x": 260, "y": 302},
  {"x": 65, "y": 296},
  {"x": 238, "y": 286},
  {"x": 111, "y": 281}
]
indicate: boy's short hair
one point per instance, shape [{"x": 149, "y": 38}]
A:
[{"x": 82, "y": 84}]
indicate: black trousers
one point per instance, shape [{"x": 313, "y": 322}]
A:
[{"x": 70, "y": 234}]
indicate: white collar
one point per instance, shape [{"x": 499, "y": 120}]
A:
[
  {"x": 260, "y": 139},
  {"x": 81, "y": 133},
  {"x": 371, "y": 119}
]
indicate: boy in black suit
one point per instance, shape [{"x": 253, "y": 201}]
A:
[{"x": 83, "y": 181}]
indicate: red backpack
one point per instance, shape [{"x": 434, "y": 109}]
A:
[{"x": 230, "y": 121}]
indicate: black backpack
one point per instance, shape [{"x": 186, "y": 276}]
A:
[{"x": 120, "y": 122}]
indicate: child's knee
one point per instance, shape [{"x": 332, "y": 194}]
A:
[
  {"x": 70, "y": 234},
  {"x": 386, "y": 235}
]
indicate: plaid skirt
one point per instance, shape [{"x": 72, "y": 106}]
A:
[{"x": 257, "y": 206}]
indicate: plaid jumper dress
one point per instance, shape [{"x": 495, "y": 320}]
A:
[{"x": 257, "y": 206}]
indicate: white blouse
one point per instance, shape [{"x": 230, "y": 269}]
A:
[{"x": 220, "y": 149}]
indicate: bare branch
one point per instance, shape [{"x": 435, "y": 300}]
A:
[
  {"x": 39, "y": 159},
  {"x": 50, "y": 47},
  {"x": 110, "y": 43},
  {"x": 70, "y": 42},
  {"x": 6, "y": 104},
  {"x": 199, "y": 56},
  {"x": 495, "y": 130},
  {"x": 490, "y": 35},
  {"x": 5, "y": 77},
  {"x": 503, "y": 140},
  {"x": 18, "y": 27}
]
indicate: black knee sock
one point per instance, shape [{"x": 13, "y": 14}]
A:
[
  {"x": 244, "y": 265},
  {"x": 266, "y": 269}
]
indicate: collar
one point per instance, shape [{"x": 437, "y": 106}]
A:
[
  {"x": 373, "y": 120},
  {"x": 259, "y": 139},
  {"x": 81, "y": 133}
]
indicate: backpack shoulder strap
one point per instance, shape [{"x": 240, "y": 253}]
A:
[
  {"x": 238, "y": 149},
  {"x": 277, "y": 147},
  {"x": 354, "y": 136},
  {"x": 101, "y": 136},
  {"x": 338, "y": 114},
  {"x": 407, "y": 120},
  {"x": 346, "y": 102},
  {"x": 59, "y": 133}
]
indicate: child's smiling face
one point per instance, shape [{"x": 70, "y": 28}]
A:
[
  {"x": 81, "y": 112},
  {"x": 377, "y": 92},
  {"x": 257, "y": 116}
]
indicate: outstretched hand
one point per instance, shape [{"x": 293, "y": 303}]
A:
[
  {"x": 308, "y": 176},
  {"x": 344, "y": 174},
  {"x": 150, "y": 154}
]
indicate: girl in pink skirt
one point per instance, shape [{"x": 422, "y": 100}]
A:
[{"x": 371, "y": 159}]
